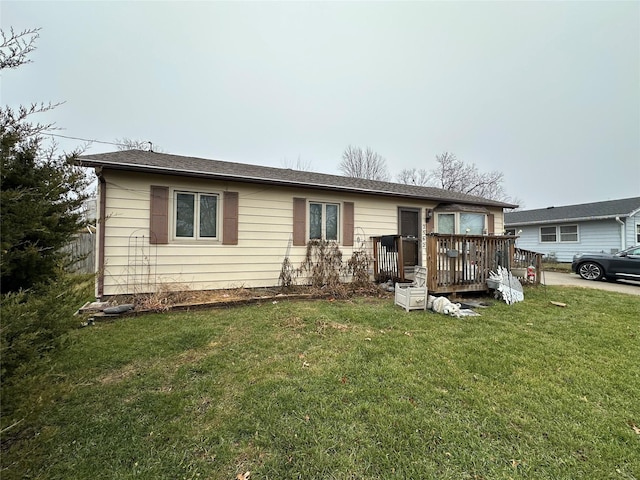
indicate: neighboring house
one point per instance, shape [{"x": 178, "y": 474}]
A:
[
  {"x": 561, "y": 232},
  {"x": 183, "y": 222}
]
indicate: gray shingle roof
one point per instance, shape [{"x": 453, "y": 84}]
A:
[
  {"x": 152, "y": 162},
  {"x": 586, "y": 211}
]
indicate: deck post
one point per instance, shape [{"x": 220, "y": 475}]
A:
[{"x": 400, "y": 257}]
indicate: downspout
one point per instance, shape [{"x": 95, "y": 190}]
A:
[
  {"x": 622, "y": 242},
  {"x": 102, "y": 201}
]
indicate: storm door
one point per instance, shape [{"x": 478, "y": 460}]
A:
[{"x": 409, "y": 220}]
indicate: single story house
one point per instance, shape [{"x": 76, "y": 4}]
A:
[
  {"x": 561, "y": 232},
  {"x": 169, "y": 221}
]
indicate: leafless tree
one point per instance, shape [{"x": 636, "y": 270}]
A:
[
  {"x": 413, "y": 176},
  {"x": 455, "y": 175},
  {"x": 298, "y": 164},
  {"x": 132, "y": 144},
  {"x": 16, "y": 46},
  {"x": 366, "y": 163}
]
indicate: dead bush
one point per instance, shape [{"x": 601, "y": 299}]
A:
[
  {"x": 322, "y": 264},
  {"x": 358, "y": 267}
]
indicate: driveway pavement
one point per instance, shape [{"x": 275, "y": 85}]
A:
[{"x": 571, "y": 279}]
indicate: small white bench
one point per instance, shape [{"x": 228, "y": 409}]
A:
[{"x": 413, "y": 296}]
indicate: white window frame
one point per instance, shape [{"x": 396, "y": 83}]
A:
[
  {"x": 196, "y": 214},
  {"x": 555, "y": 234},
  {"x": 558, "y": 233},
  {"x": 323, "y": 225},
  {"x": 638, "y": 233},
  {"x": 456, "y": 222},
  {"x": 561, "y": 233}
]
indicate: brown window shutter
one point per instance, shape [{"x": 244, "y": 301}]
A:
[
  {"x": 347, "y": 224},
  {"x": 299, "y": 221},
  {"x": 230, "y": 218},
  {"x": 491, "y": 221},
  {"x": 159, "y": 219},
  {"x": 431, "y": 223}
]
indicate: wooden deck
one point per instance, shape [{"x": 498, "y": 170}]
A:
[{"x": 456, "y": 263}]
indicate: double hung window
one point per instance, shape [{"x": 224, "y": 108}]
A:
[
  {"x": 548, "y": 234},
  {"x": 562, "y": 233},
  {"x": 569, "y": 233},
  {"x": 323, "y": 221},
  {"x": 196, "y": 215}
]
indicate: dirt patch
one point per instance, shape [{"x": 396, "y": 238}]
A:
[{"x": 163, "y": 301}]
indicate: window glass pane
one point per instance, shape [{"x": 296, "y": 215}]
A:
[
  {"x": 185, "y": 204},
  {"x": 446, "y": 223},
  {"x": 332, "y": 222},
  {"x": 548, "y": 234},
  {"x": 638, "y": 233},
  {"x": 472, "y": 221},
  {"x": 315, "y": 221},
  {"x": 569, "y": 233},
  {"x": 208, "y": 211}
]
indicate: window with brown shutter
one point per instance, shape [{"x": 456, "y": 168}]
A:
[
  {"x": 159, "y": 215},
  {"x": 195, "y": 216},
  {"x": 431, "y": 223},
  {"x": 230, "y": 218},
  {"x": 347, "y": 224},
  {"x": 491, "y": 221},
  {"x": 299, "y": 221},
  {"x": 327, "y": 221}
]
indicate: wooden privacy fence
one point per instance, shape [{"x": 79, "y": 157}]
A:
[
  {"x": 81, "y": 252},
  {"x": 456, "y": 263}
]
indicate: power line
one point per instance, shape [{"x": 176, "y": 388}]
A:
[
  {"x": 85, "y": 139},
  {"x": 97, "y": 141}
]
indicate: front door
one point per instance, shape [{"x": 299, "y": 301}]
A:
[{"x": 409, "y": 228}]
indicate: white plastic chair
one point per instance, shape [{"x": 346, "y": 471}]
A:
[{"x": 413, "y": 296}]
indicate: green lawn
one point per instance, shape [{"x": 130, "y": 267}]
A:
[{"x": 353, "y": 389}]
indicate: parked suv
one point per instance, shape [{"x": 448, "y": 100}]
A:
[{"x": 621, "y": 265}]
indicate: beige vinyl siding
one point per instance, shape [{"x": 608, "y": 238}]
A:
[
  {"x": 265, "y": 228},
  {"x": 498, "y": 220}
]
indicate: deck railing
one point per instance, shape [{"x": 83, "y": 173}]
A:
[
  {"x": 388, "y": 258},
  {"x": 457, "y": 263},
  {"x": 527, "y": 265}
]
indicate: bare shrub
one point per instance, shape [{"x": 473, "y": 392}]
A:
[
  {"x": 287, "y": 274},
  {"x": 165, "y": 296},
  {"x": 322, "y": 264},
  {"x": 358, "y": 267}
]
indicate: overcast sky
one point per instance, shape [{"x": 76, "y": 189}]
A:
[{"x": 546, "y": 92}]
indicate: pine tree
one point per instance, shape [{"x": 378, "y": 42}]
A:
[{"x": 41, "y": 191}]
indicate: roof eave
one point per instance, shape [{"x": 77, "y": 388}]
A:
[
  {"x": 564, "y": 220},
  {"x": 86, "y": 162}
]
